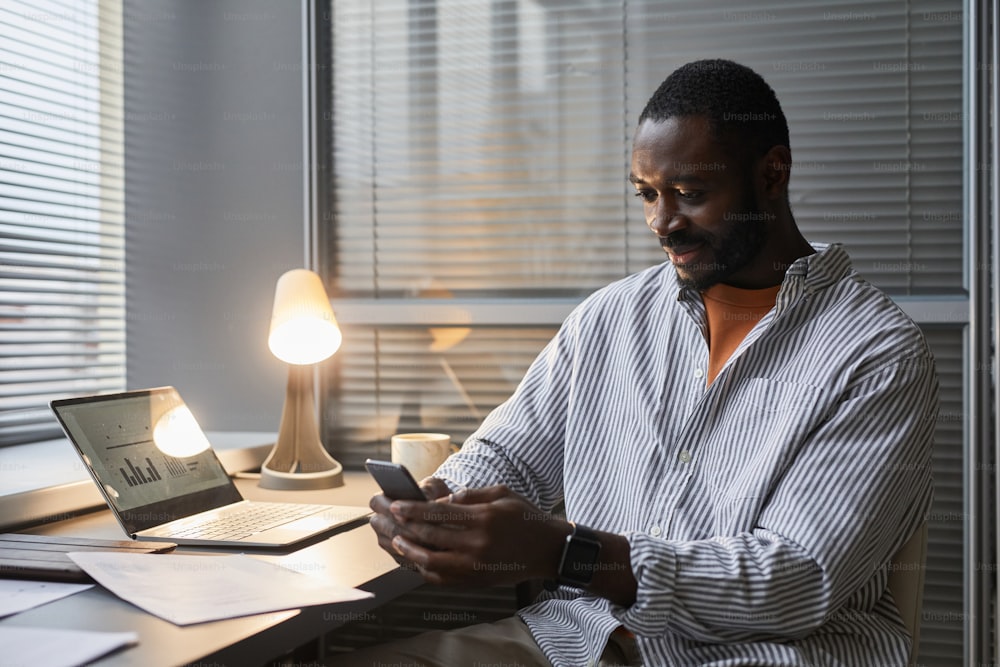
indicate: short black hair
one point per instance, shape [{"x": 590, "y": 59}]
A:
[{"x": 740, "y": 106}]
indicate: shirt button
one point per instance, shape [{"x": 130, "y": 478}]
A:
[
  {"x": 684, "y": 456},
  {"x": 655, "y": 531},
  {"x": 699, "y": 373}
]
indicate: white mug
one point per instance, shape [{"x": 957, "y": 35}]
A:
[{"x": 421, "y": 453}]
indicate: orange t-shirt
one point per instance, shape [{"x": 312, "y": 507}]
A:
[{"x": 732, "y": 313}]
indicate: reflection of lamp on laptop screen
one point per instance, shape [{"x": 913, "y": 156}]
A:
[{"x": 176, "y": 432}]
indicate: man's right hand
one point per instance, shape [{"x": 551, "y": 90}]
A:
[{"x": 385, "y": 525}]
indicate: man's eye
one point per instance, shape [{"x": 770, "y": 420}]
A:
[
  {"x": 690, "y": 195},
  {"x": 646, "y": 195}
]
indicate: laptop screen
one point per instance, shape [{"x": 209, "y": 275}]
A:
[{"x": 134, "y": 444}]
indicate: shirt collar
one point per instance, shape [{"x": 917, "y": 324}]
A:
[
  {"x": 806, "y": 275},
  {"x": 813, "y": 273}
]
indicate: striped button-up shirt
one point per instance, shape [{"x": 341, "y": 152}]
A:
[{"x": 762, "y": 511}]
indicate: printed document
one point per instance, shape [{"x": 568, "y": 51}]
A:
[
  {"x": 189, "y": 588},
  {"x": 17, "y": 595},
  {"x": 58, "y": 648}
]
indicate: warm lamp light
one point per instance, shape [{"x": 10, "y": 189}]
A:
[
  {"x": 177, "y": 433},
  {"x": 303, "y": 332}
]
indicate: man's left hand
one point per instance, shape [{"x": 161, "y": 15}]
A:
[{"x": 486, "y": 537}]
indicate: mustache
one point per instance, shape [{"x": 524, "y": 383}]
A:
[{"x": 680, "y": 239}]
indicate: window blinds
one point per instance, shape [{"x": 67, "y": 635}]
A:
[
  {"x": 482, "y": 147},
  {"x": 61, "y": 209}
]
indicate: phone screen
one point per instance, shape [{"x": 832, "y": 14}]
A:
[{"x": 396, "y": 481}]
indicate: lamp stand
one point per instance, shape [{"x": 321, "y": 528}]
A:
[{"x": 299, "y": 460}]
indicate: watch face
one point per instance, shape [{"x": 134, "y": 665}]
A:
[{"x": 579, "y": 559}]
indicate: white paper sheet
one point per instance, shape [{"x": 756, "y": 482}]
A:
[
  {"x": 58, "y": 648},
  {"x": 188, "y": 588},
  {"x": 17, "y": 595}
]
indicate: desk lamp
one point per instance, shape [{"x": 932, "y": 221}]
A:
[{"x": 303, "y": 332}]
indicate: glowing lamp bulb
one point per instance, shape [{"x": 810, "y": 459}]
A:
[
  {"x": 304, "y": 340},
  {"x": 303, "y": 328}
]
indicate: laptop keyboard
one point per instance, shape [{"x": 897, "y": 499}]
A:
[{"x": 248, "y": 520}]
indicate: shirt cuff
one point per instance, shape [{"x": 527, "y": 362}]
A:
[
  {"x": 654, "y": 565},
  {"x": 474, "y": 466}
]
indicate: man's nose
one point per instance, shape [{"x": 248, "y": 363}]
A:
[{"x": 664, "y": 218}]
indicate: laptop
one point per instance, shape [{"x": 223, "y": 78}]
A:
[{"x": 179, "y": 497}]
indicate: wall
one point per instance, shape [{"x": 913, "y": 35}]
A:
[{"x": 213, "y": 158}]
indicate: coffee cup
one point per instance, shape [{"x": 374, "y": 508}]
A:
[{"x": 421, "y": 453}]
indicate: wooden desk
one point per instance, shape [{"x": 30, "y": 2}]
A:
[{"x": 351, "y": 558}]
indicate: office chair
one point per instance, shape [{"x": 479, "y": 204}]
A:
[{"x": 906, "y": 583}]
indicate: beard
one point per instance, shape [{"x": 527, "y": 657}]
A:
[{"x": 737, "y": 244}]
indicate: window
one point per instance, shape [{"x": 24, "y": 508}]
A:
[
  {"x": 479, "y": 154},
  {"x": 61, "y": 209}
]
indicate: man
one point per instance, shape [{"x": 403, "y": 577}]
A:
[{"x": 741, "y": 436}]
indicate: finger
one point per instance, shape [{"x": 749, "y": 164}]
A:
[
  {"x": 417, "y": 518},
  {"x": 406, "y": 511},
  {"x": 440, "y": 537},
  {"x": 437, "y": 567},
  {"x": 386, "y": 529},
  {"x": 436, "y": 513},
  {"x": 380, "y": 503},
  {"x": 382, "y": 525},
  {"x": 384, "y": 533},
  {"x": 484, "y": 495},
  {"x": 434, "y": 488},
  {"x": 385, "y": 542}
]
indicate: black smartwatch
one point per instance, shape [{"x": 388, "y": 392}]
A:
[{"x": 579, "y": 558}]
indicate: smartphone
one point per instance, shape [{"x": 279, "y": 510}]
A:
[{"x": 396, "y": 481}]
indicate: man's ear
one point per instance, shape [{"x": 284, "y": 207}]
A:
[{"x": 775, "y": 167}]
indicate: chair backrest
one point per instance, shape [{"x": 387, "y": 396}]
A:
[{"x": 906, "y": 582}]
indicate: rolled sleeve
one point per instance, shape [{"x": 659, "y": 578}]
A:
[{"x": 654, "y": 565}]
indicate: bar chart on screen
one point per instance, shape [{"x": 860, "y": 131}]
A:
[{"x": 135, "y": 476}]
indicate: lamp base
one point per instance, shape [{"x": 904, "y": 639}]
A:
[
  {"x": 298, "y": 459},
  {"x": 301, "y": 481}
]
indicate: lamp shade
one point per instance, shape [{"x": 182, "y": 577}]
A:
[{"x": 303, "y": 328}]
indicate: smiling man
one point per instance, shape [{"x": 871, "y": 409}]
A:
[
  {"x": 740, "y": 437},
  {"x": 707, "y": 214}
]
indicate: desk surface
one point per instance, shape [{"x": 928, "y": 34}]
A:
[{"x": 349, "y": 558}]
